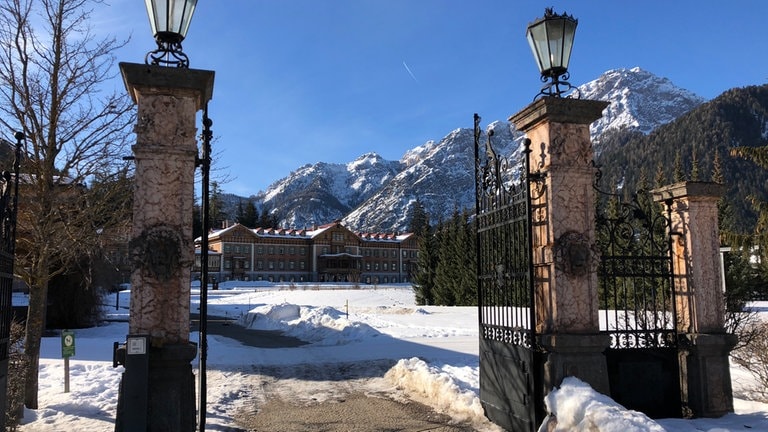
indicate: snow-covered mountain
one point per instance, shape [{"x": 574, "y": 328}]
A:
[
  {"x": 639, "y": 100},
  {"x": 323, "y": 192},
  {"x": 373, "y": 194}
]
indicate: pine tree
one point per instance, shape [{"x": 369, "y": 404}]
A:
[{"x": 424, "y": 277}]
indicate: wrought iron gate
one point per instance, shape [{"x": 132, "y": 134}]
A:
[
  {"x": 637, "y": 304},
  {"x": 508, "y": 354},
  {"x": 9, "y": 193}
]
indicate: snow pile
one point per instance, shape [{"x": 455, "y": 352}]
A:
[
  {"x": 317, "y": 325},
  {"x": 438, "y": 388},
  {"x": 576, "y": 407}
]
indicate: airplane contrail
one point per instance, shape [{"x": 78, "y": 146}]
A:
[{"x": 409, "y": 72}]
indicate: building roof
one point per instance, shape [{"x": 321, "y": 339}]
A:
[{"x": 288, "y": 233}]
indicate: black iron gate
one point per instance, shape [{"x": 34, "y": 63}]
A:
[
  {"x": 637, "y": 304},
  {"x": 9, "y": 193},
  {"x": 508, "y": 354}
]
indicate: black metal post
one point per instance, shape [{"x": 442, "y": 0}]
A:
[
  {"x": 203, "y": 329},
  {"x": 9, "y": 198}
]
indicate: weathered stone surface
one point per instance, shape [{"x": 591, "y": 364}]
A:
[
  {"x": 165, "y": 155},
  {"x": 566, "y": 299},
  {"x": 698, "y": 277}
]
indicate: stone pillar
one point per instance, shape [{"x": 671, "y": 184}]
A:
[
  {"x": 700, "y": 305},
  {"x": 564, "y": 254},
  {"x": 162, "y": 246}
]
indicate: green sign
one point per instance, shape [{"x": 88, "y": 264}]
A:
[{"x": 67, "y": 343}]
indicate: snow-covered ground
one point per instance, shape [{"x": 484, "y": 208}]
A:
[{"x": 431, "y": 355}]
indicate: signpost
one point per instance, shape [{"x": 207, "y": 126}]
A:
[{"x": 67, "y": 351}]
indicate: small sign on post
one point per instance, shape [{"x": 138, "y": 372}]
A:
[{"x": 67, "y": 351}]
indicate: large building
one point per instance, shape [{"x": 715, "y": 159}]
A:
[{"x": 328, "y": 253}]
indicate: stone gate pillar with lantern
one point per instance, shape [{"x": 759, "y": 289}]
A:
[
  {"x": 158, "y": 384},
  {"x": 157, "y": 391}
]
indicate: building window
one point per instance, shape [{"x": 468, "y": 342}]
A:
[
  {"x": 368, "y": 266},
  {"x": 375, "y": 266},
  {"x": 303, "y": 251},
  {"x": 246, "y": 265},
  {"x": 394, "y": 266},
  {"x": 405, "y": 254},
  {"x": 270, "y": 265},
  {"x": 386, "y": 267},
  {"x": 280, "y": 251},
  {"x": 301, "y": 265},
  {"x": 227, "y": 248},
  {"x": 227, "y": 264},
  {"x": 291, "y": 250},
  {"x": 291, "y": 265},
  {"x": 271, "y": 250},
  {"x": 260, "y": 264},
  {"x": 325, "y": 250},
  {"x": 260, "y": 250}
]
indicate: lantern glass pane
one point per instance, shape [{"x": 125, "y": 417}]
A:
[
  {"x": 181, "y": 14},
  {"x": 154, "y": 14},
  {"x": 555, "y": 33},
  {"x": 172, "y": 16},
  {"x": 569, "y": 35},
  {"x": 537, "y": 39}
]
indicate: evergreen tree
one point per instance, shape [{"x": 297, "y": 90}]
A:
[
  {"x": 446, "y": 271},
  {"x": 424, "y": 277},
  {"x": 246, "y": 214},
  {"x": 419, "y": 221},
  {"x": 216, "y": 210},
  {"x": 694, "y": 167},
  {"x": 678, "y": 174}
]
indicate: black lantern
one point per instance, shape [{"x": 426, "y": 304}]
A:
[
  {"x": 551, "y": 40},
  {"x": 170, "y": 22}
]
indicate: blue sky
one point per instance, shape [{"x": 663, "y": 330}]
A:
[{"x": 303, "y": 81}]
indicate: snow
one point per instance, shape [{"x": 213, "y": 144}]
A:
[{"x": 431, "y": 354}]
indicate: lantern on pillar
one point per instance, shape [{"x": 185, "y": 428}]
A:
[
  {"x": 170, "y": 22},
  {"x": 551, "y": 40}
]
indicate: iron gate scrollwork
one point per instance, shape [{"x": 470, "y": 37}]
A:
[
  {"x": 9, "y": 198},
  {"x": 508, "y": 351},
  {"x": 637, "y": 302}
]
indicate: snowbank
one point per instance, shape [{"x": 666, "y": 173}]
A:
[{"x": 576, "y": 407}]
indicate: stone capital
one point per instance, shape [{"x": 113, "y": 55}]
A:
[
  {"x": 558, "y": 110},
  {"x": 147, "y": 79},
  {"x": 690, "y": 190}
]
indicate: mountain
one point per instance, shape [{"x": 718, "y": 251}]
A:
[
  {"x": 320, "y": 193},
  {"x": 372, "y": 194},
  {"x": 640, "y": 101},
  {"x": 738, "y": 117}
]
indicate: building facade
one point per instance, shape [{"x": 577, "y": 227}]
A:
[{"x": 329, "y": 253}]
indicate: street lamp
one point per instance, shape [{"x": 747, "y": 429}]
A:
[
  {"x": 157, "y": 389},
  {"x": 551, "y": 40},
  {"x": 170, "y": 22}
]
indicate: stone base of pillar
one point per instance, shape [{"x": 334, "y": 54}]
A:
[
  {"x": 169, "y": 401},
  {"x": 706, "y": 374},
  {"x": 576, "y": 355}
]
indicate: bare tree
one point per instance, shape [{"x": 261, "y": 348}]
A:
[{"x": 53, "y": 76}]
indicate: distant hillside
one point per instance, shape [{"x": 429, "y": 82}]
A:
[{"x": 738, "y": 117}]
